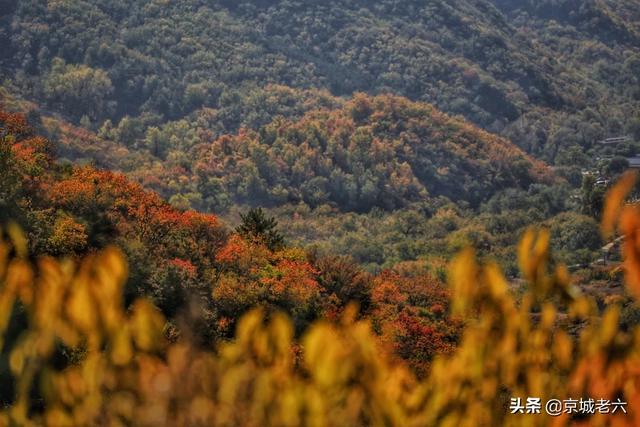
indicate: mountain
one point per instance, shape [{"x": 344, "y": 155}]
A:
[
  {"x": 221, "y": 106},
  {"x": 549, "y": 75},
  {"x": 383, "y": 151},
  {"x": 191, "y": 265},
  {"x": 342, "y": 182},
  {"x": 367, "y": 152}
]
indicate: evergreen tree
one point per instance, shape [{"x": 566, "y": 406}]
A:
[{"x": 257, "y": 226}]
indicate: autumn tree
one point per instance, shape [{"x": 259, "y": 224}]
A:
[
  {"x": 79, "y": 89},
  {"x": 10, "y": 182}
]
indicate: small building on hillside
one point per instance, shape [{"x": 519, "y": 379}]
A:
[
  {"x": 611, "y": 249},
  {"x": 615, "y": 140},
  {"x": 634, "y": 162}
]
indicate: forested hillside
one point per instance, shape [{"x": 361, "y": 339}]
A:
[
  {"x": 292, "y": 212},
  {"x": 550, "y": 75},
  {"x": 196, "y": 269},
  {"x": 384, "y": 152},
  {"x": 430, "y": 183},
  {"x": 82, "y": 357},
  {"x": 221, "y": 106}
]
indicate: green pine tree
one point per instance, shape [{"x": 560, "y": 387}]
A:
[{"x": 257, "y": 226}]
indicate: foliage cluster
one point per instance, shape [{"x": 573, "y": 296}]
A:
[
  {"x": 374, "y": 152},
  {"x": 551, "y": 75},
  {"x": 189, "y": 264},
  {"x": 437, "y": 229},
  {"x": 125, "y": 372}
]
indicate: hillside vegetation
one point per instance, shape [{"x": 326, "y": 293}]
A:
[
  {"x": 384, "y": 152},
  {"x": 388, "y": 181},
  {"x": 331, "y": 213},
  {"x": 224, "y": 106},
  {"x": 550, "y": 75},
  {"x": 194, "y": 268},
  {"x": 123, "y": 369}
]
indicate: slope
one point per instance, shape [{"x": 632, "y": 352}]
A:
[
  {"x": 158, "y": 61},
  {"x": 192, "y": 267},
  {"x": 382, "y": 151}
]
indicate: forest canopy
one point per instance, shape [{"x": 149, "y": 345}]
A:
[
  {"x": 547, "y": 75},
  {"x": 340, "y": 212}
]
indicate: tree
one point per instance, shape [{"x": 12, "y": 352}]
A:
[
  {"x": 67, "y": 237},
  {"x": 156, "y": 142},
  {"x": 342, "y": 277},
  {"x": 79, "y": 89},
  {"x": 575, "y": 237},
  {"x": 257, "y": 226},
  {"x": 11, "y": 125},
  {"x": 616, "y": 166},
  {"x": 592, "y": 196}
]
